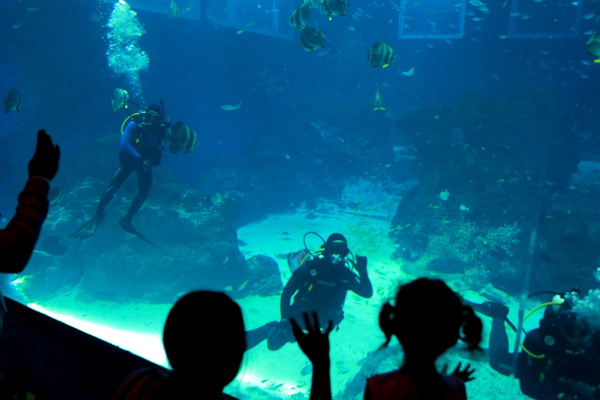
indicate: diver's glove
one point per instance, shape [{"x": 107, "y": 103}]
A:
[
  {"x": 45, "y": 160},
  {"x": 361, "y": 263}
]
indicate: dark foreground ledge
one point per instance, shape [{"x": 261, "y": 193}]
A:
[{"x": 64, "y": 363}]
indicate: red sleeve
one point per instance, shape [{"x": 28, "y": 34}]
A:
[{"x": 18, "y": 239}]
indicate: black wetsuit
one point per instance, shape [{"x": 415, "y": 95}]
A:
[
  {"x": 141, "y": 149},
  {"x": 318, "y": 285},
  {"x": 540, "y": 378}
]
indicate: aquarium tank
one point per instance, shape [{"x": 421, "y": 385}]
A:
[{"x": 217, "y": 144}]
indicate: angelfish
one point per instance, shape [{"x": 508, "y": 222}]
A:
[
  {"x": 334, "y": 7},
  {"x": 299, "y": 18},
  {"x": 120, "y": 98},
  {"x": 311, "y": 39},
  {"x": 381, "y": 54},
  {"x": 594, "y": 46},
  {"x": 378, "y": 100}
]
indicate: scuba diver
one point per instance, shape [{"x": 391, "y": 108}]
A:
[
  {"x": 319, "y": 284},
  {"x": 140, "y": 150},
  {"x": 559, "y": 360}
]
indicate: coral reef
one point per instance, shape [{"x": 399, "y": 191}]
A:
[{"x": 588, "y": 309}]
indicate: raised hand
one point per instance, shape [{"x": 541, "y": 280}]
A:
[
  {"x": 44, "y": 162},
  {"x": 315, "y": 344},
  {"x": 466, "y": 374}
]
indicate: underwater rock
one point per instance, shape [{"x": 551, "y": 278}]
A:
[
  {"x": 446, "y": 265},
  {"x": 264, "y": 278},
  {"x": 54, "y": 246}
]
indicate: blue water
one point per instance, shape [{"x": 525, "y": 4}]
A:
[{"x": 518, "y": 81}]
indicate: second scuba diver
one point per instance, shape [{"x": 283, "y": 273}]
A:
[
  {"x": 140, "y": 150},
  {"x": 319, "y": 284},
  {"x": 560, "y": 359}
]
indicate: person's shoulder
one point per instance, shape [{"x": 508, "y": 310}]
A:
[
  {"x": 456, "y": 384},
  {"x": 386, "y": 377},
  {"x": 145, "y": 383}
]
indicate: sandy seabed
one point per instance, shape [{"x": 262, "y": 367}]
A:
[{"x": 137, "y": 327}]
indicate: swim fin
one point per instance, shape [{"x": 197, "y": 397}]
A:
[
  {"x": 128, "y": 227},
  {"x": 89, "y": 228}
]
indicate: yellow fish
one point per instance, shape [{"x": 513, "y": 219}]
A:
[
  {"x": 174, "y": 9},
  {"x": 378, "y": 100}
]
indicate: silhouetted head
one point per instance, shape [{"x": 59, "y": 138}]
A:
[
  {"x": 204, "y": 338},
  {"x": 336, "y": 248},
  {"x": 428, "y": 318}
]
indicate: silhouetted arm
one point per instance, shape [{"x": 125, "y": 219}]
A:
[
  {"x": 361, "y": 285},
  {"x": 21, "y": 234},
  {"x": 315, "y": 344}
]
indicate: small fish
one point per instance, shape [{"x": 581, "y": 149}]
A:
[
  {"x": 241, "y": 31},
  {"x": 231, "y": 108},
  {"x": 242, "y": 286},
  {"x": 12, "y": 101},
  {"x": 594, "y": 45},
  {"x": 476, "y": 3},
  {"x": 228, "y": 288},
  {"x": 476, "y": 19},
  {"x": 443, "y": 195},
  {"x": 312, "y": 39},
  {"x": 409, "y": 72},
  {"x": 524, "y": 16},
  {"x": 174, "y": 10},
  {"x": 588, "y": 16},
  {"x": 17, "y": 25},
  {"x": 334, "y": 7},
  {"x": 464, "y": 208},
  {"x": 300, "y": 18},
  {"x": 378, "y": 101},
  {"x": 351, "y": 28},
  {"x": 54, "y": 246},
  {"x": 32, "y": 8},
  {"x": 120, "y": 98},
  {"x": 381, "y": 54}
]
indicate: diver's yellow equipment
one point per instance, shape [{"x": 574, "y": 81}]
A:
[
  {"x": 127, "y": 119},
  {"x": 551, "y": 303},
  {"x": 308, "y": 255}
]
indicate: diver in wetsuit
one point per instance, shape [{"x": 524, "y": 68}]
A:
[
  {"x": 319, "y": 284},
  {"x": 559, "y": 360},
  {"x": 140, "y": 150}
]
